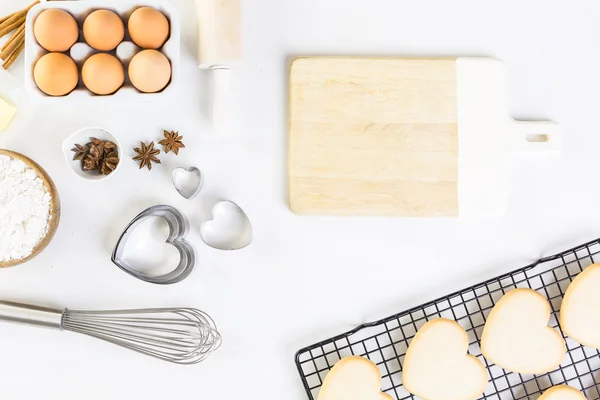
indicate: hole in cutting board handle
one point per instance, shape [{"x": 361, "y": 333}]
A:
[{"x": 536, "y": 138}]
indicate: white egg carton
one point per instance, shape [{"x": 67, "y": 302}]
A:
[{"x": 81, "y": 51}]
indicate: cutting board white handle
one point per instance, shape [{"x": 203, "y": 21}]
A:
[
  {"x": 483, "y": 119},
  {"x": 536, "y": 137}
]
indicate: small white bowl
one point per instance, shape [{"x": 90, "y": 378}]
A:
[{"x": 82, "y": 137}]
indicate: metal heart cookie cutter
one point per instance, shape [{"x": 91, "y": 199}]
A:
[
  {"x": 178, "y": 229},
  {"x": 229, "y": 228},
  {"x": 188, "y": 182}
]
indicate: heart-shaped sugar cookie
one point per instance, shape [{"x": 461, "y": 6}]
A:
[
  {"x": 437, "y": 366},
  {"x": 517, "y": 337},
  {"x": 580, "y": 308},
  {"x": 353, "y": 378},
  {"x": 562, "y": 392}
]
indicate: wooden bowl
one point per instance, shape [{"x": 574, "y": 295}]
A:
[{"x": 54, "y": 207}]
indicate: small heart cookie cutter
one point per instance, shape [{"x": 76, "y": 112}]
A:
[
  {"x": 188, "y": 191},
  {"x": 178, "y": 229}
]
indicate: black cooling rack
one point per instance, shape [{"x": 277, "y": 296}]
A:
[{"x": 385, "y": 342}]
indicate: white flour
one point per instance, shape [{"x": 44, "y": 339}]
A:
[{"x": 24, "y": 209}]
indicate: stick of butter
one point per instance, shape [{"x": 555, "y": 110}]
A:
[{"x": 7, "y": 113}]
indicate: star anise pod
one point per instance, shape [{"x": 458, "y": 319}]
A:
[
  {"x": 80, "y": 152},
  {"x": 96, "y": 147},
  {"x": 109, "y": 147},
  {"x": 96, "y": 151},
  {"x": 89, "y": 163},
  {"x": 172, "y": 142},
  {"x": 147, "y": 155},
  {"x": 109, "y": 163},
  {"x": 95, "y": 141}
]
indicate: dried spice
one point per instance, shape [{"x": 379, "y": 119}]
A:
[
  {"x": 109, "y": 146},
  {"x": 90, "y": 163},
  {"x": 94, "y": 141},
  {"x": 109, "y": 163},
  {"x": 172, "y": 142},
  {"x": 80, "y": 152},
  {"x": 97, "y": 155},
  {"x": 96, "y": 151},
  {"x": 146, "y": 155},
  {"x": 13, "y": 47}
]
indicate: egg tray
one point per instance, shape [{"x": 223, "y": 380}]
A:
[
  {"x": 385, "y": 341},
  {"x": 80, "y": 10}
]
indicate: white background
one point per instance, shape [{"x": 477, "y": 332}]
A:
[{"x": 303, "y": 279}]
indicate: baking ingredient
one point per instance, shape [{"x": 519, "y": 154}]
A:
[
  {"x": 109, "y": 163},
  {"x": 97, "y": 155},
  {"x": 103, "y": 30},
  {"x": 148, "y": 28},
  {"x": 437, "y": 366},
  {"x": 80, "y": 152},
  {"x": 353, "y": 378},
  {"x": 516, "y": 335},
  {"x": 24, "y": 209},
  {"x": 55, "y": 74},
  {"x": 172, "y": 142},
  {"x": 12, "y": 52},
  {"x": 12, "y": 48},
  {"x": 146, "y": 155},
  {"x": 55, "y": 30},
  {"x": 7, "y": 113},
  {"x": 562, "y": 392},
  {"x": 15, "y": 20},
  {"x": 103, "y": 74},
  {"x": 149, "y": 71},
  {"x": 580, "y": 308}
]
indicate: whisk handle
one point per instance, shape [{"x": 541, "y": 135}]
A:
[{"x": 30, "y": 315}]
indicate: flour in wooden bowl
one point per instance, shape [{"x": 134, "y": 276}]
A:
[{"x": 25, "y": 209}]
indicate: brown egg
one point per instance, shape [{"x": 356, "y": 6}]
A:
[
  {"x": 55, "y": 74},
  {"x": 103, "y": 30},
  {"x": 55, "y": 30},
  {"x": 149, "y": 71},
  {"x": 148, "y": 28},
  {"x": 103, "y": 74}
]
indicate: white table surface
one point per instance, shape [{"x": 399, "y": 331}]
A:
[{"x": 303, "y": 279}]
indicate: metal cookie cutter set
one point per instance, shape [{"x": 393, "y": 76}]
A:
[
  {"x": 178, "y": 229},
  {"x": 229, "y": 228}
]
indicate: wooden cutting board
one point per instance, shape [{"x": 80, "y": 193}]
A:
[{"x": 404, "y": 137}]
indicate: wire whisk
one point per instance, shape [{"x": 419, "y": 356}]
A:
[{"x": 178, "y": 335}]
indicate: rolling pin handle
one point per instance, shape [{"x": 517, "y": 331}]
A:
[{"x": 221, "y": 86}]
